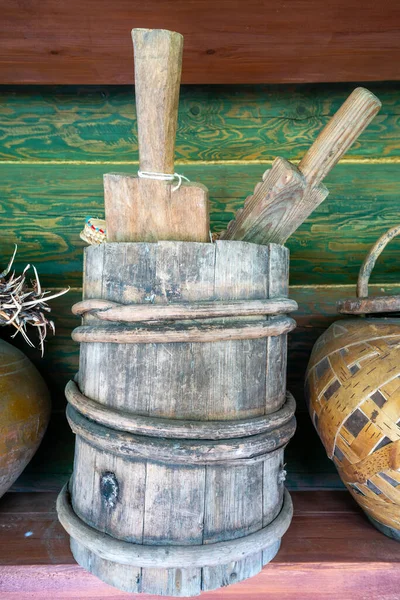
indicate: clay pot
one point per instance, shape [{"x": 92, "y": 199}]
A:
[
  {"x": 24, "y": 413},
  {"x": 353, "y": 394}
]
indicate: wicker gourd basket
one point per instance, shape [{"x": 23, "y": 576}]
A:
[
  {"x": 94, "y": 231},
  {"x": 353, "y": 392}
]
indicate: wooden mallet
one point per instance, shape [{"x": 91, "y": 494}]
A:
[
  {"x": 287, "y": 195},
  {"x": 157, "y": 205}
]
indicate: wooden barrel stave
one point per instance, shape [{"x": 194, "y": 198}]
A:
[
  {"x": 204, "y": 390},
  {"x": 123, "y": 577}
]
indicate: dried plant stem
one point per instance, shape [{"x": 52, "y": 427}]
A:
[{"x": 21, "y": 305}]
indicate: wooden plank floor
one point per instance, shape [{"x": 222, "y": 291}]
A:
[{"x": 330, "y": 551}]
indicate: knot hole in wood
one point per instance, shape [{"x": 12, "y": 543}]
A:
[{"x": 109, "y": 489}]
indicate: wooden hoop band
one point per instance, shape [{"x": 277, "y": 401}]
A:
[
  {"x": 173, "y": 428},
  {"x": 151, "y": 333},
  {"x": 362, "y": 304},
  {"x": 171, "y": 557},
  {"x": 131, "y": 313},
  {"x": 234, "y": 452}
]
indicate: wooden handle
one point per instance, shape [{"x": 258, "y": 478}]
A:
[
  {"x": 341, "y": 132},
  {"x": 371, "y": 258},
  {"x": 158, "y": 65},
  {"x": 362, "y": 305}
]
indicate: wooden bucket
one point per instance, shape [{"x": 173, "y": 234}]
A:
[{"x": 181, "y": 415}]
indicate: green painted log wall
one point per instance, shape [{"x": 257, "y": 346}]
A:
[{"x": 56, "y": 143}]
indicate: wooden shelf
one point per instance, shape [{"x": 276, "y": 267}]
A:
[{"x": 330, "y": 551}]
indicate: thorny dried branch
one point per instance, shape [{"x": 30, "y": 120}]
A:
[{"x": 21, "y": 306}]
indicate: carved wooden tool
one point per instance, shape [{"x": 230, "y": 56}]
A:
[
  {"x": 143, "y": 209},
  {"x": 287, "y": 195}
]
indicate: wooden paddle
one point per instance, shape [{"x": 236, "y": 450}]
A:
[
  {"x": 287, "y": 195},
  {"x": 146, "y": 208}
]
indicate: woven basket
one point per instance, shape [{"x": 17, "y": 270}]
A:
[
  {"x": 94, "y": 231},
  {"x": 353, "y": 394}
]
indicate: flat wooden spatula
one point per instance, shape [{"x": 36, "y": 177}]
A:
[
  {"x": 287, "y": 195},
  {"x": 150, "y": 208}
]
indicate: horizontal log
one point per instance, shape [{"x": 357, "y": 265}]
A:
[
  {"x": 173, "y": 428},
  {"x": 132, "y": 313},
  {"x": 251, "y": 42},
  {"x": 188, "y": 556},
  {"x": 254, "y": 123},
  {"x": 235, "y": 452},
  {"x": 183, "y": 332},
  {"x": 324, "y": 250}
]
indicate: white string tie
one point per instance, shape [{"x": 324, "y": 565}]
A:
[{"x": 164, "y": 177}]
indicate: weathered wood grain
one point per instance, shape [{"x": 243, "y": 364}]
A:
[
  {"x": 230, "y": 515},
  {"x": 139, "y": 489},
  {"x": 123, "y": 519},
  {"x": 110, "y": 571},
  {"x": 256, "y": 42},
  {"x": 171, "y": 521},
  {"x": 273, "y": 206},
  {"x": 277, "y": 346},
  {"x": 362, "y": 306},
  {"x": 214, "y": 123},
  {"x": 287, "y": 196},
  {"x": 222, "y": 520},
  {"x": 232, "y": 509},
  {"x": 158, "y": 66},
  {"x": 182, "y": 271},
  {"x": 328, "y": 248},
  {"x": 201, "y": 496},
  {"x": 317, "y": 310},
  {"x": 139, "y": 209}
]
